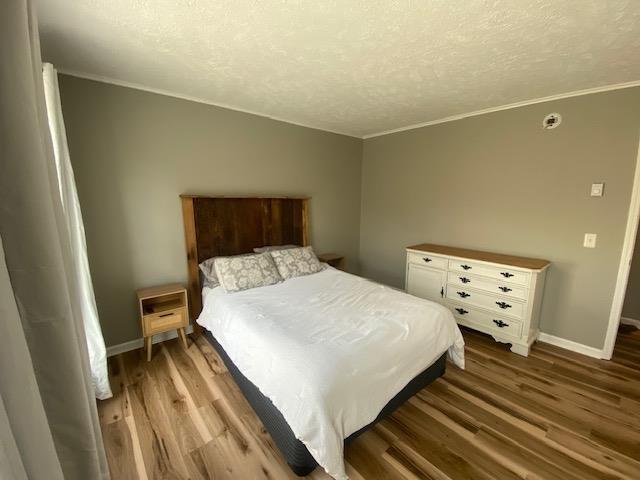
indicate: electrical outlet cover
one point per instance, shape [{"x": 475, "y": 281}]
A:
[
  {"x": 590, "y": 240},
  {"x": 597, "y": 189}
]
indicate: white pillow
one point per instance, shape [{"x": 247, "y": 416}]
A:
[
  {"x": 243, "y": 272},
  {"x": 295, "y": 262}
]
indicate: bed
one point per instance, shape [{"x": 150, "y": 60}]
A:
[{"x": 319, "y": 357}]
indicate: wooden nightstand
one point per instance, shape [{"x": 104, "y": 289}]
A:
[
  {"x": 333, "y": 259},
  {"x": 162, "y": 309}
]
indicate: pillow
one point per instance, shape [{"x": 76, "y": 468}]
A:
[
  {"x": 209, "y": 271},
  {"x": 273, "y": 248},
  {"x": 243, "y": 272},
  {"x": 295, "y": 262}
]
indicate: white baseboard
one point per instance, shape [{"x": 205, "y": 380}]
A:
[
  {"x": 630, "y": 321},
  {"x": 542, "y": 337},
  {"x": 571, "y": 345},
  {"x": 139, "y": 342}
]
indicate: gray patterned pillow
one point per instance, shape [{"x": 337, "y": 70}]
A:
[
  {"x": 295, "y": 262},
  {"x": 209, "y": 271},
  {"x": 243, "y": 272}
]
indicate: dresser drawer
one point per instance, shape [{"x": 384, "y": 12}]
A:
[
  {"x": 496, "y": 287},
  {"x": 505, "y": 273},
  {"x": 472, "y": 317},
  {"x": 427, "y": 260},
  {"x": 163, "y": 321},
  {"x": 503, "y": 305}
]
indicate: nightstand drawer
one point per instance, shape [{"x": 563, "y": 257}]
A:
[{"x": 166, "y": 320}]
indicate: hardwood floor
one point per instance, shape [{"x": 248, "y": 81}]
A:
[{"x": 553, "y": 415}]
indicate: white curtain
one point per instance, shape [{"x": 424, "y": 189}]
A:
[{"x": 73, "y": 217}]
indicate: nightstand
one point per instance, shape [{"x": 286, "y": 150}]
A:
[
  {"x": 333, "y": 259},
  {"x": 162, "y": 309}
]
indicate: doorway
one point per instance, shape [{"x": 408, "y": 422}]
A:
[
  {"x": 627, "y": 346},
  {"x": 626, "y": 297}
]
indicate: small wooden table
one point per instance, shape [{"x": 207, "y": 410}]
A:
[
  {"x": 333, "y": 259},
  {"x": 162, "y": 309}
]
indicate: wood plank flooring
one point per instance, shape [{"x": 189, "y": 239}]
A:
[{"x": 553, "y": 415}]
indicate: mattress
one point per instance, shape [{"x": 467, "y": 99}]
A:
[
  {"x": 346, "y": 347},
  {"x": 293, "y": 450}
]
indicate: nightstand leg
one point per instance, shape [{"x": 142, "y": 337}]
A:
[
  {"x": 147, "y": 341},
  {"x": 183, "y": 337}
]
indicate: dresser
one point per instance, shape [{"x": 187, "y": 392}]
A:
[{"x": 497, "y": 294}]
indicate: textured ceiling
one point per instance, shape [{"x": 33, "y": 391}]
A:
[{"x": 356, "y": 67}]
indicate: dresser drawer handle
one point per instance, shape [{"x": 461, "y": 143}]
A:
[
  {"x": 506, "y": 274},
  {"x": 505, "y": 289},
  {"x": 461, "y": 311},
  {"x": 503, "y": 305},
  {"x": 464, "y": 294},
  {"x": 167, "y": 314},
  {"x": 500, "y": 323},
  {"x": 426, "y": 259},
  {"x": 464, "y": 279},
  {"x": 466, "y": 267}
]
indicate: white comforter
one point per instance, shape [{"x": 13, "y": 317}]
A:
[{"x": 330, "y": 350}]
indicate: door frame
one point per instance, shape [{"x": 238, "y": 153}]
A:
[{"x": 624, "y": 267}]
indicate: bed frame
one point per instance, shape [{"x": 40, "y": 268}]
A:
[{"x": 235, "y": 225}]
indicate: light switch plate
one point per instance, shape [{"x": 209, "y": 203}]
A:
[
  {"x": 590, "y": 240},
  {"x": 597, "y": 189}
]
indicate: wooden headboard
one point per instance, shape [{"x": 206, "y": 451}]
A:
[{"x": 215, "y": 226}]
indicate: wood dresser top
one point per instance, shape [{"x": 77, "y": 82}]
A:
[{"x": 521, "y": 262}]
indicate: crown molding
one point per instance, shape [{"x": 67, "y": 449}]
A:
[
  {"x": 551, "y": 98},
  {"x": 167, "y": 93},
  {"x": 452, "y": 118}
]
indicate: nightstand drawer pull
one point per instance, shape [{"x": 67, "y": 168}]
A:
[
  {"x": 426, "y": 259},
  {"x": 500, "y": 323},
  {"x": 464, "y": 294},
  {"x": 505, "y": 289},
  {"x": 464, "y": 280},
  {"x": 466, "y": 267},
  {"x": 166, "y": 314},
  {"x": 503, "y": 305},
  {"x": 461, "y": 311},
  {"x": 506, "y": 274}
]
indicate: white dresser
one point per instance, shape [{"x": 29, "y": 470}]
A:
[{"x": 493, "y": 293}]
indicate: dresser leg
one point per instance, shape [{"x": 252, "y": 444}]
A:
[
  {"x": 520, "y": 349},
  {"x": 147, "y": 341},
  {"x": 183, "y": 337}
]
